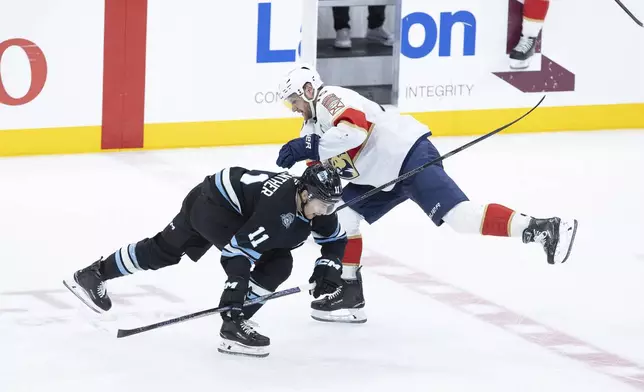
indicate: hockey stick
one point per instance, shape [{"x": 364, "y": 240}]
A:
[
  {"x": 435, "y": 161},
  {"x": 122, "y": 333},
  {"x": 639, "y": 22}
]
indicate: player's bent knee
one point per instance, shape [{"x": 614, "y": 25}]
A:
[{"x": 154, "y": 253}]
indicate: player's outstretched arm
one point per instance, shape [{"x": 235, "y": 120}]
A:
[
  {"x": 330, "y": 235},
  {"x": 347, "y": 129},
  {"x": 339, "y": 139},
  {"x": 327, "y": 273}
]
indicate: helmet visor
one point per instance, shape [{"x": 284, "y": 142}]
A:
[
  {"x": 320, "y": 207},
  {"x": 289, "y": 101}
]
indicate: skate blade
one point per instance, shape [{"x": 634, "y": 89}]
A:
[
  {"x": 567, "y": 232},
  {"x": 349, "y": 316},
  {"x": 231, "y": 347},
  {"x": 520, "y": 64},
  {"x": 78, "y": 291}
]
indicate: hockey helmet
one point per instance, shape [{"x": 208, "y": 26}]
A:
[
  {"x": 322, "y": 182},
  {"x": 294, "y": 85}
]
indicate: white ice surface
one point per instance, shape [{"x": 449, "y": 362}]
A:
[{"x": 59, "y": 213}]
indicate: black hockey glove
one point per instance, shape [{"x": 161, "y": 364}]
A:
[
  {"x": 234, "y": 294},
  {"x": 327, "y": 276}
]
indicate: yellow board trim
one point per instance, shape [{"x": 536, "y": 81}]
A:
[
  {"x": 40, "y": 141},
  {"x": 544, "y": 119},
  {"x": 220, "y": 133},
  {"x": 68, "y": 140}
]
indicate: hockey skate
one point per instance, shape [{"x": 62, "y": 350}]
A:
[
  {"x": 522, "y": 54},
  {"x": 556, "y": 236},
  {"x": 345, "y": 305},
  {"x": 240, "y": 338},
  {"x": 88, "y": 285}
]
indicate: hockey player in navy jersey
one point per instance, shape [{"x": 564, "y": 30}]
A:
[
  {"x": 371, "y": 146},
  {"x": 255, "y": 218}
]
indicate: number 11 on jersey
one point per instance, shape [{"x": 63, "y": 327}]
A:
[{"x": 259, "y": 240}]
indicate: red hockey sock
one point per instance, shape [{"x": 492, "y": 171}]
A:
[
  {"x": 534, "y": 13},
  {"x": 496, "y": 220},
  {"x": 352, "y": 256},
  {"x": 536, "y": 10},
  {"x": 502, "y": 221}
]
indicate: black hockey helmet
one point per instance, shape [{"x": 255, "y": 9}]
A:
[{"x": 322, "y": 182}]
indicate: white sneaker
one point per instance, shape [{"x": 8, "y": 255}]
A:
[
  {"x": 381, "y": 36},
  {"x": 343, "y": 39}
]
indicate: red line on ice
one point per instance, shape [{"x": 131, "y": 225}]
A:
[{"x": 524, "y": 327}]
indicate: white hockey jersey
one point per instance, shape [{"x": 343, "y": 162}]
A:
[{"x": 367, "y": 143}]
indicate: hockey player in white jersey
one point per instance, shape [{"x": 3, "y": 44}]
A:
[{"x": 371, "y": 146}]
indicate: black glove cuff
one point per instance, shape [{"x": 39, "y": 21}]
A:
[{"x": 237, "y": 266}]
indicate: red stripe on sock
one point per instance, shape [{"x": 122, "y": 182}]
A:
[
  {"x": 496, "y": 221},
  {"x": 536, "y": 9},
  {"x": 353, "y": 252}
]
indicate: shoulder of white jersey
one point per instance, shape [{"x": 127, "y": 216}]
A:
[
  {"x": 332, "y": 102},
  {"x": 339, "y": 104}
]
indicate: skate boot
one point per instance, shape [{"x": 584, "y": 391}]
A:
[
  {"x": 240, "y": 338},
  {"x": 556, "y": 236},
  {"x": 345, "y": 305},
  {"x": 522, "y": 53},
  {"x": 88, "y": 285}
]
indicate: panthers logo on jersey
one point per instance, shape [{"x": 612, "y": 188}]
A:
[{"x": 345, "y": 166}]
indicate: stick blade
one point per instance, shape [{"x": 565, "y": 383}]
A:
[{"x": 122, "y": 333}]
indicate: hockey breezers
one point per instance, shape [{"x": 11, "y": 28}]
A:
[
  {"x": 122, "y": 333},
  {"x": 435, "y": 161}
]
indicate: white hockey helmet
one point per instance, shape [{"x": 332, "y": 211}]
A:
[{"x": 294, "y": 84}]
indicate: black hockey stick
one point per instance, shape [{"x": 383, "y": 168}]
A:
[
  {"x": 122, "y": 333},
  {"x": 435, "y": 161},
  {"x": 639, "y": 22}
]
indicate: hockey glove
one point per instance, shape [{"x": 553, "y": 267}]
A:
[
  {"x": 327, "y": 276},
  {"x": 234, "y": 294},
  {"x": 298, "y": 150}
]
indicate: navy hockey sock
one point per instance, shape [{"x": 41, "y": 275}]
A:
[{"x": 120, "y": 263}]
